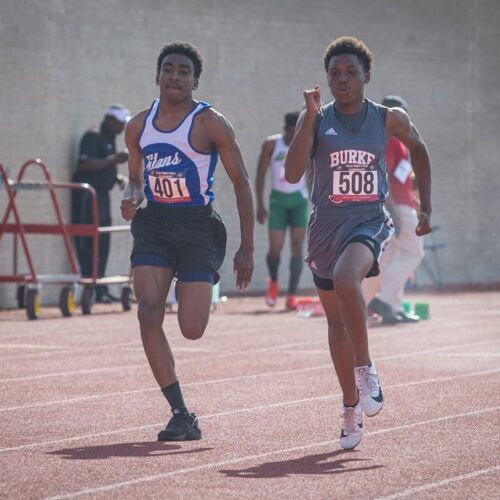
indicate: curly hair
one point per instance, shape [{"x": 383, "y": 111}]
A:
[
  {"x": 185, "y": 49},
  {"x": 349, "y": 45}
]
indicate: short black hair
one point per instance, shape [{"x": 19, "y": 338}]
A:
[
  {"x": 291, "y": 118},
  {"x": 349, "y": 45},
  {"x": 186, "y": 49}
]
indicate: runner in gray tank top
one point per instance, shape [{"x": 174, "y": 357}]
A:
[{"x": 349, "y": 225}]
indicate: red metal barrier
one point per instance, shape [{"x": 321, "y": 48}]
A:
[{"x": 18, "y": 229}]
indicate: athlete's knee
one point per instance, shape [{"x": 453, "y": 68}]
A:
[
  {"x": 192, "y": 331},
  {"x": 192, "y": 326},
  {"x": 273, "y": 254},
  {"x": 150, "y": 316},
  {"x": 345, "y": 285}
]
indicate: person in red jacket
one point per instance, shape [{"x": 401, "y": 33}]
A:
[{"x": 384, "y": 294}]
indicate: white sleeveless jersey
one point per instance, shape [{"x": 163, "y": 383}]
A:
[
  {"x": 277, "y": 165},
  {"x": 174, "y": 172}
]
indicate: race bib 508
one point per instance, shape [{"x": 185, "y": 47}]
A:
[{"x": 354, "y": 185}]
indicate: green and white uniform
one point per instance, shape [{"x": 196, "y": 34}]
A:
[{"x": 288, "y": 202}]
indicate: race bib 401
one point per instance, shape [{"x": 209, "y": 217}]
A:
[{"x": 169, "y": 188}]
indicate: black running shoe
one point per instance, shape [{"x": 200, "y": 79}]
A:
[
  {"x": 181, "y": 427},
  {"x": 380, "y": 307},
  {"x": 407, "y": 317}
]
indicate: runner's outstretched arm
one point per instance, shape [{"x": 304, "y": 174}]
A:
[{"x": 224, "y": 140}]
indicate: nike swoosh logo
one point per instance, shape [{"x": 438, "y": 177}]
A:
[{"x": 380, "y": 397}]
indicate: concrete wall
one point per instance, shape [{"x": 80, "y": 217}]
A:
[{"x": 63, "y": 61}]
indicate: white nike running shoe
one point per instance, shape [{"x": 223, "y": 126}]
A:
[
  {"x": 352, "y": 426},
  {"x": 370, "y": 392}
]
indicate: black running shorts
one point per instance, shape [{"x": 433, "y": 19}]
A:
[{"x": 189, "y": 240}]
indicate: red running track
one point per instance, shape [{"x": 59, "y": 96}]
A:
[{"x": 79, "y": 409}]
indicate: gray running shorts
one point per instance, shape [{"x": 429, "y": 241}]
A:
[{"x": 330, "y": 233}]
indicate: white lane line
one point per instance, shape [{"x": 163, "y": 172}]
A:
[
  {"x": 437, "y": 484},
  {"x": 483, "y": 313},
  {"x": 438, "y": 349},
  {"x": 310, "y": 351},
  {"x": 179, "y": 361},
  {"x": 150, "y": 389},
  {"x": 70, "y": 350},
  {"x": 74, "y": 372},
  {"x": 223, "y": 355},
  {"x": 126, "y": 367},
  {"x": 248, "y": 458},
  {"x": 247, "y": 410},
  {"x": 32, "y": 346},
  {"x": 471, "y": 354},
  {"x": 244, "y": 331},
  {"x": 259, "y": 349},
  {"x": 264, "y": 349},
  {"x": 207, "y": 334},
  {"x": 285, "y": 348},
  {"x": 124, "y": 344},
  {"x": 188, "y": 349},
  {"x": 177, "y": 349},
  {"x": 212, "y": 331},
  {"x": 70, "y": 332}
]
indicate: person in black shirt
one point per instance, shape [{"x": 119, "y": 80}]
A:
[{"x": 97, "y": 166}]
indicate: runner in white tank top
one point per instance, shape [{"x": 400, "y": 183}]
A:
[
  {"x": 172, "y": 155},
  {"x": 288, "y": 207}
]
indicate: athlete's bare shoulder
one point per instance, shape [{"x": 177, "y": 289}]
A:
[
  {"x": 210, "y": 117},
  {"x": 137, "y": 121},
  {"x": 397, "y": 121},
  {"x": 134, "y": 127},
  {"x": 215, "y": 125}
]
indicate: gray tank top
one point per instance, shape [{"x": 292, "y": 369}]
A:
[{"x": 349, "y": 171}]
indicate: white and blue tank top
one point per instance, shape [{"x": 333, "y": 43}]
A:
[
  {"x": 349, "y": 168},
  {"x": 175, "y": 173}
]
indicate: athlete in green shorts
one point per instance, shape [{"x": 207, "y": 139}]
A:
[{"x": 288, "y": 207}]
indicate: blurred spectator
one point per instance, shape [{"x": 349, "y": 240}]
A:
[
  {"x": 405, "y": 250},
  {"x": 97, "y": 166}
]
